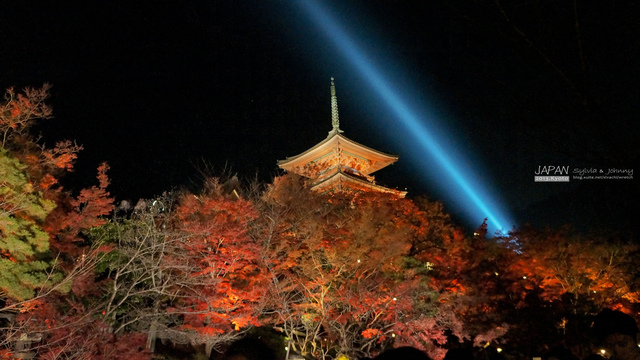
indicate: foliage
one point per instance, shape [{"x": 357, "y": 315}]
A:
[
  {"x": 184, "y": 272},
  {"x": 224, "y": 261},
  {"x": 566, "y": 279},
  {"x": 43, "y": 232},
  {"x": 23, "y": 206},
  {"x": 339, "y": 274},
  {"x": 598, "y": 269},
  {"x": 339, "y": 284},
  {"x": 18, "y": 112},
  {"x": 23, "y": 242}
]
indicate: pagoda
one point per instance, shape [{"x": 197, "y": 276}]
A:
[{"x": 338, "y": 163}]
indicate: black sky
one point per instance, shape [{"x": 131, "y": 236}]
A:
[{"x": 155, "y": 87}]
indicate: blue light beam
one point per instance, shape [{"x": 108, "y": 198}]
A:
[{"x": 475, "y": 204}]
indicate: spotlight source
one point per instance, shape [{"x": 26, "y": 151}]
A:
[{"x": 454, "y": 174}]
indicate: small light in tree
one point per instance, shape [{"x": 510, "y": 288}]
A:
[
  {"x": 524, "y": 277},
  {"x": 499, "y": 349},
  {"x": 496, "y": 273},
  {"x": 594, "y": 291},
  {"x": 602, "y": 351},
  {"x": 358, "y": 260},
  {"x": 286, "y": 348},
  {"x": 394, "y": 299},
  {"x": 393, "y": 335}
]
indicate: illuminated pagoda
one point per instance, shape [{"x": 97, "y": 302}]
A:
[{"x": 338, "y": 163}]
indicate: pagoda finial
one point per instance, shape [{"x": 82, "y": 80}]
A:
[{"x": 335, "y": 120}]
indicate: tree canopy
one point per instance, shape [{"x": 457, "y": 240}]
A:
[{"x": 330, "y": 275}]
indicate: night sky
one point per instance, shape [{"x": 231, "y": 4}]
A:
[{"x": 157, "y": 89}]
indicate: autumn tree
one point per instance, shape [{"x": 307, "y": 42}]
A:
[
  {"x": 599, "y": 269},
  {"x": 337, "y": 265},
  {"x": 464, "y": 272},
  {"x": 146, "y": 273},
  {"x": 43, "y": 226},
  {"x": 181, "y": 269},
  {"x": 532, "y": 290},
  {"x": 33, "y": 203},
  {"x": 567, "y": 278},
  {"x": 223, "y": 260},
  {"x": 23, "y": 207}
]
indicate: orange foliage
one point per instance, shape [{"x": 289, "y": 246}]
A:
[
  {"x": 594, "y": 269},
  {"x": 225, "y": 259},
  {"x": 72, "y": 216},
  {"x": 371, "y": 333},
  {"x": 64, "y": 321},
  {"x": 338, "y": 267}
]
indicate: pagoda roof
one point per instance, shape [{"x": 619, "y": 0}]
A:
[
  {"x": 341, "y": 179},
  {"x": 335, "y": 144}
]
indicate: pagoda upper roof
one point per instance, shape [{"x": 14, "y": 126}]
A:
[{"x": 339, "y": 147}]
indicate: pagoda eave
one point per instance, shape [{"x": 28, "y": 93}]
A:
[
  {"x": 338, "y": 143},
  {"x": 343, "y": 181}
]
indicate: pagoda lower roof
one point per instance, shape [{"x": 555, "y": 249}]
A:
[
  {"x": 334, "y": 143},
  {"x": 341, "y": 180}
]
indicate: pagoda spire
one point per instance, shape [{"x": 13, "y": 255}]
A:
[{"x": 335, "y": 119}]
